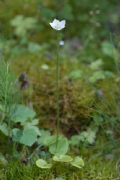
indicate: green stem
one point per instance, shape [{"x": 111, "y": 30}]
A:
[
  {"x": 6, "y": 86},
  {"x": 34, "y": 152},
  {"x": 57, "y": 93},
  {"x": 6, "y": 97}
]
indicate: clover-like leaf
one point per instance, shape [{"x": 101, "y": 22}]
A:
[
  {"x": 43, "y": 164},
  {"x": 77, "y": 162},
  {"x": 62, "y": 158}
]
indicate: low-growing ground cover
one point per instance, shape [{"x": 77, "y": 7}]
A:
[{"x": 98, "y": 169}]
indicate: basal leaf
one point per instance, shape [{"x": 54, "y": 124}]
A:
[
  {"x": 23, "y": 113},
  {"x": 78, "y": 162},
  {"x": 44, "y": 138},
  {"x": 60, "y": 147},
  {"x": 62, "y": 158},
  {"x": 29, "y": 136},
  {"x": 16, "y": 134},
  {"x": 43, "y": 164}
]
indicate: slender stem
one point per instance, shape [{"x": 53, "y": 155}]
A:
[
  {"x": 6, "y": 86},
  {"x": 57, "y": 93},
  {"x": 34, "y": 152},
  {"x": 6, "y": 97}
]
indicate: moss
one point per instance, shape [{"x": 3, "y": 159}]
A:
[
  {"x": 108, "y": 104},
  {"x": 95, "y": 169},
  {"x": 78, "y": 97}
]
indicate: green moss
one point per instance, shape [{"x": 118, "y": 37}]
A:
[
  {"x": 94, "y": 169},
  {"x": 78, "y": 97}
]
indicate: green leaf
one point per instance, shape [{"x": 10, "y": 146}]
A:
[
  {"x": 76, "y": 74},
  {"x": 45, "y": 138},
  {"x": 43, "y": 164},
  {"x": 91, "y": 135},
  {"x": 23, "y": 24},
  {"x": 75, "y": 140},
  {"x": 3, "y": 161},
  {"x": 88, "y": 136},
  {"x": 62, "y": 146},
  {"x": 16, "y": 134},
  {"x": 31, "y": 122},
  {"x": 4, "y": 129},
  {"x": 22, "y": 114},
  {"x": 109, "y": 49},
  {"x": 98, "y": 75},
  {"x": 50, "y": 141},
  {"x": 77, "y": 162},
  {"x": 29, "y": 136},
  {"x": 32, "y": 125},
  {"x": 62, "y": 158},
  {"x": 96, "y": 65}
]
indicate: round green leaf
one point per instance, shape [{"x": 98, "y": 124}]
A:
[
  {"x": 43, "y": 164},
  {"x": 78, "y": 162},
  {"x": 45, "y": 138},
  {"x": 62, "y": 158},
  {"x": 60, "y": 147},
  {"x": 29, "y": 136},
  {"x": 22, "y": 113}
]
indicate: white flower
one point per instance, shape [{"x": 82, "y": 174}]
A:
[
  {"x": 61, "y": 43},
  {"x": 58, "y": 25}
]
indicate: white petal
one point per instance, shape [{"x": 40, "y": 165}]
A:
[
  {"x": 63, "y": 24},
  {"x": 57, "y": 25},
  {"x": 54, "y": 24},
  {"x": 56, "y": 21}
]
